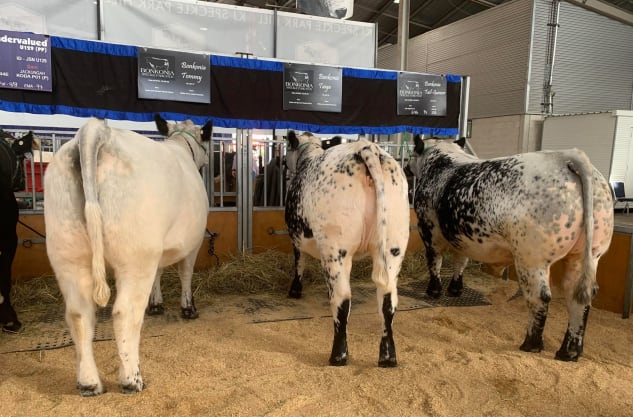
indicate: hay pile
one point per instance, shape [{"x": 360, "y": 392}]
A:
[{"x": 266, "y": 272}]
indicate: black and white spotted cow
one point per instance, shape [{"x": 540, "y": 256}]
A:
[
  {"x": 116, "y": 198},
  {"x": 532, "y": 209},
  {"x": 344, "y": 203}
]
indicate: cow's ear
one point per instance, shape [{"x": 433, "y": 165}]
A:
[
  {"x": 461, "y": 142},
  {"x": 205, "y": 132},
  {"x": 292, "y": 139},
  {"x": 419, "y": 144},
  {"x": 161, "y": 125}
]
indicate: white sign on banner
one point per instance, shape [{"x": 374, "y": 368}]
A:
[{"x": 173, "y": 75}]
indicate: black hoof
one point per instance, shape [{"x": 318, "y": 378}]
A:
[
  {"x": 388, "y": 363},
  {"x": 189, "y": 313},
  {"x": 455, "y": 289},
  {"x": 339, "y": 360},
  {"x": 132, "y": 388},
  {"x": 295, "y": 290},
  {"x": 533, "y": 346},
  {"x": 89, "y": 390},
  {"x": 434, "y": 293},
  {"x": 155, "y": 310},
  {"x": 565, "y": 356},
  {"x": 13, "y": 328}
]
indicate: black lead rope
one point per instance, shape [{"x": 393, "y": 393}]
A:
[{"x": 211, "y": 250}]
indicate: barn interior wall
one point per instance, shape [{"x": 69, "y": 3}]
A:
[
  {"x": 593, "y": 133},
  {"x": 593, "y": 64},
  {"x": 496, "y": 136}
]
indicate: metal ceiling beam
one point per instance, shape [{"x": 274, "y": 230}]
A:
[
  {"x": 454, "y": 10},
  {"x": 605, "y": 10},
  {"x": 417, "y": 11},
  {"x": 381, "y": 11},
  {"x": 484, "y": 3}
]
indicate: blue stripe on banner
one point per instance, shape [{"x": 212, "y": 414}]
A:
[
  {"x": 224, "y": 122},
  {"x": 93, "y": 46},
  {"x": 256, "y": 64}
]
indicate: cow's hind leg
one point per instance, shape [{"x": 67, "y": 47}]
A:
[
  {"x": 387, "y": 296},
  {"x": 76, "y": 286},
  {"x": 185, "y": 271},
  {"x": 337, "y": 272},
  {"x": 456, "y": 286},
  {"x": 296, "y": 287},
  {"x": 534, "y": 283},
  {"x": 155, "y": 305},
  {"x": 434, "y": 264},
  {"x": 133, "y": 289},
  {"x": 572, "y": 346}
]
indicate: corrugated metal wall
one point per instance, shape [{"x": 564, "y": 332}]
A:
[
  {"x": 492, "y": 47},
  {"x": 593, "y": 67},
  {"x": 593, "y": 133}
]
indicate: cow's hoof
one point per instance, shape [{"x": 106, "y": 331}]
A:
[
  {"x": 13, "y": 327},
  {"x": 295, "y": 290},
  {"x": 155, "y": 310},
  {"x": 388, "y": 363},
  {"x": 90, "y": 390},
  {"x": 189, "y": 313},
  {"x": 340, "y": 360},
  {"x": 532, "y": 344},
  {"x": 132, "y": 388},
  {"x": 455, "y": 289},
  {"x": 566, "y": 356},
  {"x": 434, "y": 293}
]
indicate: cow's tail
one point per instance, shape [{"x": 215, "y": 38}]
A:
[
  {"x": 91, "y": 138},
  {"x": 371, "y": 158},
  {"x": 579, "y": 163}
]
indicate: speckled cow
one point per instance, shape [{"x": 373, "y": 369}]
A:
[
  {"x": 344, "y": 203},
  {"x": 531, "y": 209}
]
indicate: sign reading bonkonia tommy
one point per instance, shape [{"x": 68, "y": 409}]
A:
[
  {"x": 312, "y": 87},
  {"x": 175, "y": 76},
  {"x": 421, "y": 94},
  {"x": 25, "y": 61}
]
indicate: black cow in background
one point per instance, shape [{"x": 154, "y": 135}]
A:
[{"x": 12, "y": 155}]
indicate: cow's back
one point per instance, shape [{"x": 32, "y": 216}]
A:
[
  {"x": 527, "y": 204},
  {"x": 151, "y": 197},
  {"x": 334, "y": 199}
]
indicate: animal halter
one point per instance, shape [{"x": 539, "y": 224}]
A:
[{"x": 188, "y": 144}]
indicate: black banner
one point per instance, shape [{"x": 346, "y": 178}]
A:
[{"x": 246, "y": 93}]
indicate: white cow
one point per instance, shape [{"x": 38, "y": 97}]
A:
[
  {"x": 116, "y": 198},
  {"x": 530, "y": 209},
  {"x": 344, "y": 203}
]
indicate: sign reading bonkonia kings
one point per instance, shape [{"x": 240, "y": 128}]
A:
[
  {"x": 25, "y": 61},
  {"x": 421, "y": 94},
  {"x": 175, "y": 76},
  {"x": 312, "y": 87}
]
